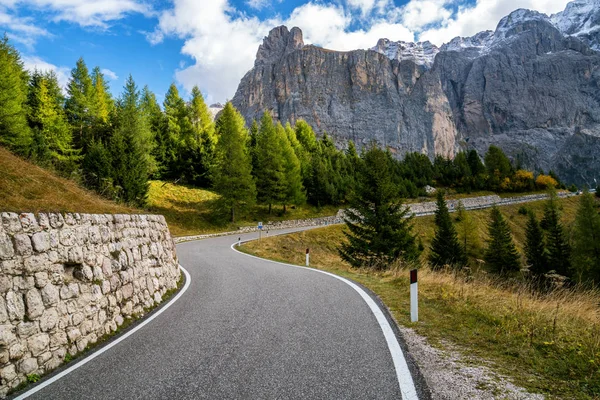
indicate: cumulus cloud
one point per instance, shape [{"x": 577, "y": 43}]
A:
[
  {"x": 23, "y": 30},
  {"x": 109, "y": 74},
  {"x": 223, "y": 41},
  {"x": 62, "y": 73}
]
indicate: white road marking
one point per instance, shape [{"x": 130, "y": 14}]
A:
[
  {"x": 405, "y": 380},
  {"x": 112, "y": 344}
]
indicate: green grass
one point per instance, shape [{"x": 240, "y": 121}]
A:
[
  {"x": 188, "y": 210},
  {"x": 546, "y": 343}
]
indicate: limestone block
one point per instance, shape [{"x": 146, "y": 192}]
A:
[
  {"x": 127, "y": 309},
  {"x": 67, "y": 237},
  {"x": 70, "y": 219},
  {"x": 6, "y": 247},
  {"x": 16, "y": 351},
  {"x": 8, "y": 373},
  {"x": 56, "y": 220},
  {"x": 98, "y": 274},
  {"x": 50, "y": 294},
  {"x": 11, "y": 222},
  {"x": 115, "y": 283},
  {"x": 61, "y": 352},
  {"x": 119, "y": 320},
  {"x": 69, "y": 291},
  {"x": 127, "y": 291},
  {"x": 105, "y": 234},
  {"x": 28, "y": 365},
  {"x": 38, "y": 344},
  {"x": 49, "y": 319},
  {"x": 102, "y": 317},
  {"x": 42, "y": 358},
  {"x": 36, "y": 263},
  {"x": 35, "y": 305},
  {"x": 15, "y": 306},
  {"x": 77, "y": 318},
  {"x": 58, "y": 339},
  {"x": 41, "y": 279},
  {"x": 86, "y": 327},
  {"x": 3, "y": 312},
  {"x": 82, "y": 344},
  {"x": 105, "y": 287},
  {"x": 4, "y": 356},
  {"x": 73, "y": 334},
  {"x": 23, "y": 244},
  {"x": 29, "y": 222},
  {"x": 7, "y": 335},
  {"x": 157, "y": 298},
  {"x": 41, "y": 241},
  {"x": 26, "y": 329},
  {"x": 54, "y": 362},
  {"x": 94, "y": 235},
  {"x": 75, "y": 255}
]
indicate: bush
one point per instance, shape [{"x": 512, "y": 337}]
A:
[
  {"x": 573, "y": 188},
  {"x": 545, "y": 182},
  {"x": 523, "y": 210}
]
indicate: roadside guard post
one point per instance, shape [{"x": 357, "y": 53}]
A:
[
  {"x": 239, "y": 241},
  {"x": 307, "y": 256},
  {"x": 414, "y": 297},
  {"x": 260, "y": 226}
]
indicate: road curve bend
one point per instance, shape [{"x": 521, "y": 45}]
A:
[{"x": 248, "y": 328}]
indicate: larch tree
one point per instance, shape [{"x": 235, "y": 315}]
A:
[
  {"x": 204, "y": 138},
  {"x": 445, "y": 247},
  {"x": 294, "y": 191},
  {"x": 559, "y": 249},
  {"x": 14, "y": 130},
  {"x": 378, "y": 228},
  {"x": 78, "y": 106},
  {"x": 232, "y": 169},
  {"x": 270, "y": 175},
  {"x": 501, "y": 254}
]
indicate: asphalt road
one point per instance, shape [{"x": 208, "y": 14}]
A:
[{"x": 245, "y": 329}]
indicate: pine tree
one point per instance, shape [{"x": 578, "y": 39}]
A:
[
  {"x": 559, "y": 250},
  {"x": 378, "y": 230},
  {"x": 52, "y": 134},
  {"x": 294, "y": 191},
  {"x": 501, "y": 255},
  {"x": 535, "y": 249},
  {"x": 79, "y": 105},
  {"x": 14, "y": 130},
  {"x": 586, "y": 245},
  {"x": 467, "y": 230},
  {"x": 445, "y": 247},
  {"x": 270, "y": 172},
  {"x": 232, "y": 168},
  {"x": 156, "y": 122},
  {"x": 129, "y": 147}
]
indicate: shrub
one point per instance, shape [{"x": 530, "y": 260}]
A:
[
  {"x": 523, "y": 210},
  {"x": 545, "y": 182}
]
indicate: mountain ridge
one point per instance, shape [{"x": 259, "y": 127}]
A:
[{"x": 532, "y": 87}]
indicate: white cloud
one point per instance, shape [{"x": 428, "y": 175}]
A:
[
  {"x": 109, "y": 74},
  {"x": 223, "y": 41},
  {"x": 485, "y": 15},
  {"x": 96, "y": 13},
  {"x": 62, "y": 73},
  {"x": 22, "y": 30}
]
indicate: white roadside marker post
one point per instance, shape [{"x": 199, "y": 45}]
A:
[
  {"x": 260, "y": 226},
  {"x": 307, "y": 256},
  {"x": 414, "y": 296},
  {"x": 239, "y": 241}
]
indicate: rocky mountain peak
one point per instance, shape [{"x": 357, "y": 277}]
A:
[
  {"x": 581, "y": 18},
  {"x": 421, "y": 53},
  {"x": 278, "y": 43}
]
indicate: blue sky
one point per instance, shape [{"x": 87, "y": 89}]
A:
[{"x": 212, "y": 43}]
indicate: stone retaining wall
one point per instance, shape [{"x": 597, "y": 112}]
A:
[{"x": 67, "y": 280}]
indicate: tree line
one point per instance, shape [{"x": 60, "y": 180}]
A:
[
  {"x": 115, "y": 145},
  {"x": 379, "y": 233}
]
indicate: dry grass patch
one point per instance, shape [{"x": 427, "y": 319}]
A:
[{"x": 545, "y": 342}]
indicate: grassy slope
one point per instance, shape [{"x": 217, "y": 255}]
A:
[
  {"x": 555, "y": 340},
  {"x": 25, "y": 187}
]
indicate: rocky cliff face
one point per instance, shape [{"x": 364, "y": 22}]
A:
[{"x": 531, "y": 87}]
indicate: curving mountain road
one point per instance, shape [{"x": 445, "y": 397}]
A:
[{"x": 248, "y": 328}]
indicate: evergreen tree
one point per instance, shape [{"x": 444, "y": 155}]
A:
[
  {"x": 477, "y": 169},
  {"x": 98, "y": 170},
  {"x": 586, "y": 245},
  {"x": 79, "y": 105},
  {"x": 467, "y": 230},
  {"x": 270, "y": 175},
  {"x": 52, "y": 134},
  {"x": 177, "y": 130},
  {"x": 100, "y": 98},
  {"x": 232, "y": 167},
  {"x": 156, "y": 121},
  {"x": 559, "y": 250},
  {"x": 535, "y": 249},
  {"x": 378, "y": 230},
  {"x": 14, "y": 131},
  {"x": 498, "y": 167},
  {"x": 129, "y": 147},
  {"x": 445, "y": 247},
  {"x": 294, "y": 191},
  {"x": 203, "y": 140},
  {"x": 501, "y": 255}
]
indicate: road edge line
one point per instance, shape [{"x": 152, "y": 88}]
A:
[
  {"x": 403, "y": 374},
  {"x": 112, "y": 344}
]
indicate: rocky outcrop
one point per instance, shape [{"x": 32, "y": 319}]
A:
[
  {"x": 67, "y": 280},
  {"x": 532, "y": 87}
]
